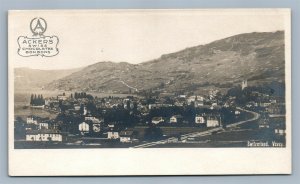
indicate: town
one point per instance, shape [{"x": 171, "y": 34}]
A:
[{"x": 84, "y": 120}]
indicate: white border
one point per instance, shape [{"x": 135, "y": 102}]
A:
[{"x": 166, "y": 161}]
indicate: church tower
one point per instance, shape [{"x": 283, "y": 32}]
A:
[{"x": 244, "y": 84}]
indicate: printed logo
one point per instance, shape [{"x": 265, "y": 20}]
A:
[{"x": 38, "y": 44}]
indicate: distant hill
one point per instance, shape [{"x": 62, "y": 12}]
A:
[
  {"x": 258, "y": 57},
  {"x": 26, "y": 78}
]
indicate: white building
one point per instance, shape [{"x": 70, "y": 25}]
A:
[
  {"x": 237, "y": 112},
  {"x": 43, "y": 125},
  {"x": 96, "y": 127},
  {"x": 62, "y": 97},
  {"x": 84, "y": 111},
  {"x": 113, "y": 135},
  {"x": 32, "y": 120},
  {"x": 279, "y": 131},
  {"x": 44, "y": 135},
  {"x": 212, "y": 121},
  {"x": 157, "y": 120},
  {"x": 93, "y": 119},
  {"x": 76, "y": 107},
  {"x": 126, "y": 136},
  {"x": 84, "y": 127},
  {"x": 244, "y": 84},
  {"x": 195, "y": 98},
  {"x": 199, "y": 119},
  {"x": 176, "y": 119}
]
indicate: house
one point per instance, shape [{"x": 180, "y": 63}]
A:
[
  {"x": 236, "y": 112},
  {"x": 213, "y": 121},
  {"x": 96, "y": 123},
  {"x": 157, "y": 120},
  {"x": 43, "y": 125},
  {"x": 199, "y": 103},
  {"x": 76, "y": 107},
  {"x": 279, "y": 131},
  {"x": 126, "y": 136},
  {"x": 111, "y": 125},
  {"x": 113, "y": 135},
  {"x": 176, "y": 119},
  {"x": 276, "y": 109},
  {"x": 32, "y": 120},
  {"x": 263, "y": 123},
  {"x": 84, "y": 127},
  {"x": 195, "y": 98},
  {"x": 93, "y": 119},
  {"x": 45, "y": 135},
  {"x": 199, "y": 119},
  {"x": 62, "y": 97}
]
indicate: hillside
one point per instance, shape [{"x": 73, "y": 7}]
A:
[
  {"x": 258, "y": 57},
  {"x": 26, "y": 78}
]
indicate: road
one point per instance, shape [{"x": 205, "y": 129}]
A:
[{"x": 202, "y": 133}]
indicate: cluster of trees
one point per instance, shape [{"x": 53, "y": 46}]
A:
[
  {"x": 37, "y": 100},
  {"x": 78, "y": 95}
]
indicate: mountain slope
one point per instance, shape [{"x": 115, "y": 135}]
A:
[
  {"x": 26, "y": 78},
  {"x": 258, "y": 57}
]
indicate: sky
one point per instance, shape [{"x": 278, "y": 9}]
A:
[{"x": 133, "y": 36}]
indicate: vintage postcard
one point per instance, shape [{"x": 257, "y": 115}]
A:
[{"x": 149, "y": 92}]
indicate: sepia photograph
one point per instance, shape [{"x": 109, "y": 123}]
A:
[{"x": 140, "y": 79}]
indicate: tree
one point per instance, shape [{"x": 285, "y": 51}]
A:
[
  {"x": 128, "y": 104},
  {"x": 153, "y": 133},
  {"x": 31, "y": 99}
]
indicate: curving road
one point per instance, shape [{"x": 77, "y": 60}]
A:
[{"x": 203, "y": 133}]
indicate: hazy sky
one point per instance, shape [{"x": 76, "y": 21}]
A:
[{"x": 133, "y": 36}]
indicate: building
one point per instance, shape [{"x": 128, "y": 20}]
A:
[
  {"x": 126, "y": 136},
  {"x": 158, "y": 105},
  {"x": 176, "y": 119},
  {"x": 213, "y": 121},
  {"x": 96, "y": 123},
  {"x": 45, "y": 135},
  {"x": 93, "y": 119},
  {"x": 113, "y": 135},
  {"x": 62, "y": 97},
  {"x": 32, "y": 120},
  {"x": 43, "y": 125},
  {"x": 96, "y": 127},
  {"x": 279, "y": 131},
  {"x": 84, "y": 127},
  {"x": 199, "y": 119},
  {"x": 84, "y": 110},
  {"x": 276, "y": 109},
  {"x": 244, "y": 84},
  {"x": 195, "y": 98},
  {"x": 76, "y": 107},
  {"x": 237, "y": 112},
  {"x": 157, "y": 120}
]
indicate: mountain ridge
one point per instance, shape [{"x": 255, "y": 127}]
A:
[{"x": 257, "y": 57}]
